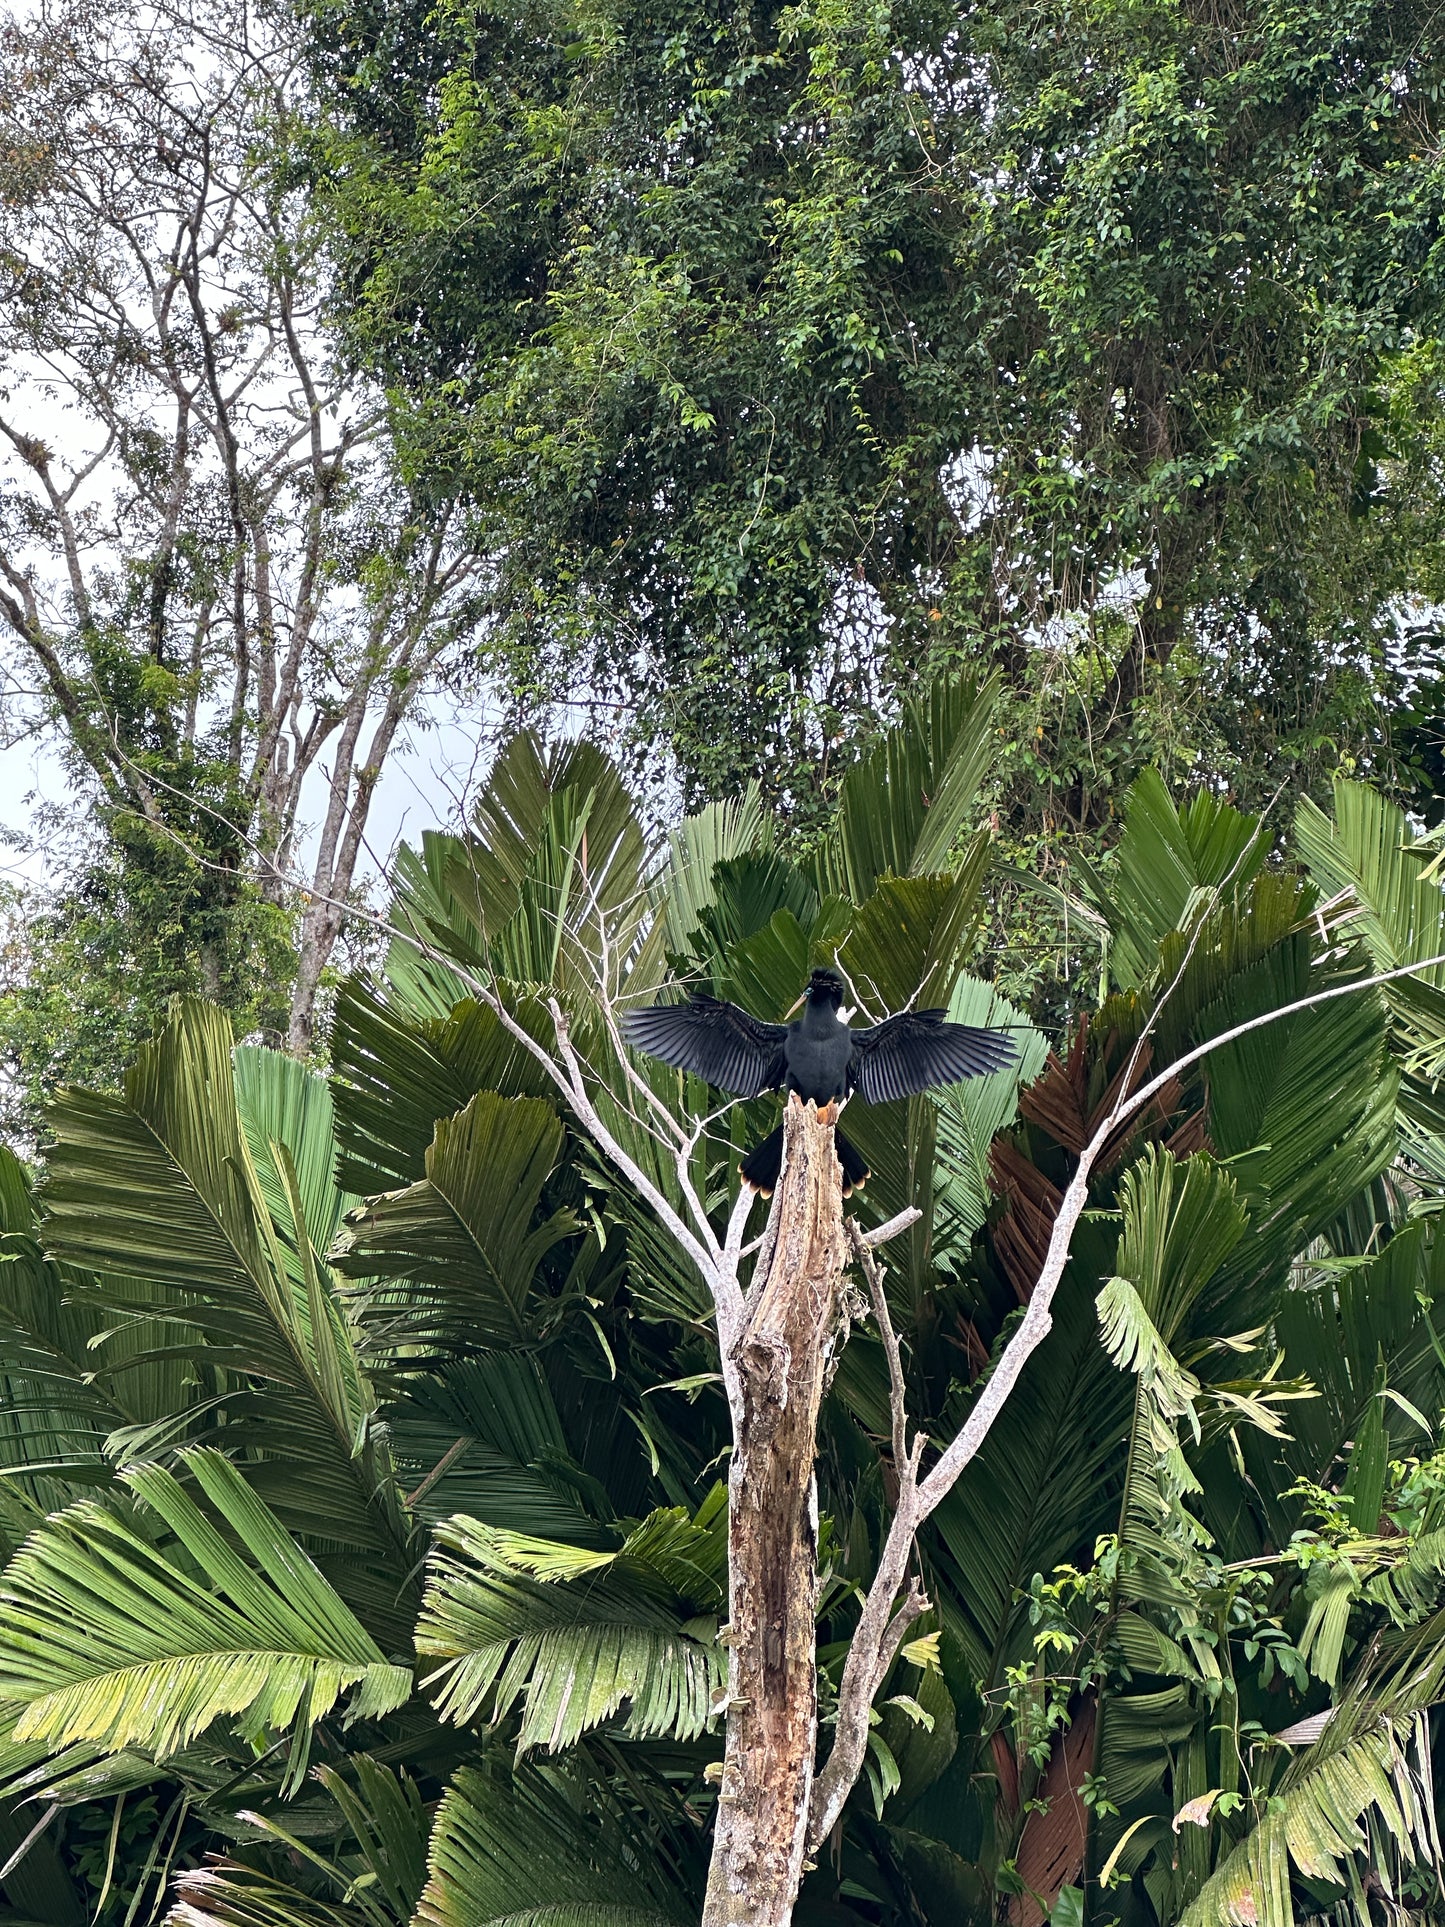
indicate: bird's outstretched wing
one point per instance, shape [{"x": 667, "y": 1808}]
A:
[
  {"x": 733, "y": 1050},
  {"x": 919, "y": 1049}
]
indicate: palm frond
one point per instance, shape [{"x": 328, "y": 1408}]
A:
[
  {"x": 231, "y": 1894},
  {"x": 390, "y": 1824},
  {"x": 452, "y": 1260},
  {"x": 713, "y": 835},
  {"x": 971, "y": 1115},
  {"x": 904, "y": 808},
  {"x": 375, "y": 1881},
  {"x": 56, "y": 1411},
  {"x": 1045, "y": 1482},
  {"x": 555, "y": 845},
  {"x": 397, "y": 1074},
  {"x": 1305, "y": 1107},
  {"x": 1135, "y": 1343},
  {"x": 572, "y": 1633},
  {"x": 1181, "y": 1223},
  {"x": 904, "y": 945},
  {"x": 1367, "y": 855},
  {"x": 1373, "y": 1767},
  {"x": 1170, "y": 862},
  {"x": 158, "y": 1184},
  {"x": 108, "y": 1638},
  {"x": 519, "y": 1855},
  {"x": 282, "y": 1104},
  {"x": 483, "y": 1436},
  {"x": 1343, "y": 1328}
]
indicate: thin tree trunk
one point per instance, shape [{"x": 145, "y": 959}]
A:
[
  {"x": 319, "y": 927},
  {"x": 788, "y": 1331}
]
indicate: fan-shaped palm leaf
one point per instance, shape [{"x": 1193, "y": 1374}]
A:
[
  {"x": 573, "y": 1633},
  {"x": 454, "y": 1258},
  {"x": 1399, "y": 913},
  {"x": 1170, "y": 863},
  {"x": 108, "y": 1639},
  {"x": 519, "y": 1855},
  {"x": 905, "y": 806},
  {"x": 700, "y": 842},
  {"x": 396, "y": 1074},
  {"x": 158, "y": 1184}
]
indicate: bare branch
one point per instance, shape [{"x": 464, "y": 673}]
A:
[
  {"x": 867, "y": 1665},
  {"x": 894, "y": 1228},
  {"x": 897, "y": 1389}
]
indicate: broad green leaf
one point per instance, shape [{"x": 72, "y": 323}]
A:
[
  {"x": 1367, "y": 855},
  {"x": 518, "y": 1854},
  {"x": 158, "y": 1184},
  {"x": 396, "y": 1075},
  {"x": 1373, "y": 1771},
  {"x": 282, "y": 1103},
  {"x": 906, "y": 806},
  {"x": 1170, "y": 860},
  {"x": 572, "y": 1633},
  {"x": 107, "y": 1637},
  {"x": 452, "y": 1261},
  {"x": 714, "y": 834}
]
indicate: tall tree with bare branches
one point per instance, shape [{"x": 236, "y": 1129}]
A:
[{"x": 217, "y": 582}]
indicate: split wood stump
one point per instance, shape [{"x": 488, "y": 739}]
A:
[{"x": 792, "y": 1322}]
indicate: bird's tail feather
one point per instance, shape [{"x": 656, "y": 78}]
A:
[
  {"x": 764, "y": 1163},
  {"x": 855, "y": 1165}
]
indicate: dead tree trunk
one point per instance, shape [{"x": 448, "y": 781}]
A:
[{"x": 788, "y": 1331}]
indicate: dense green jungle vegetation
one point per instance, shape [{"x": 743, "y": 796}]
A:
[
  {"x": 950, "y": 493},
  {"x": 362, "y": 1434}
]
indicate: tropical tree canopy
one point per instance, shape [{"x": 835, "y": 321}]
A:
[
  {"x": 780, "y": 347},
  {"x": 361, "y": 1503}
]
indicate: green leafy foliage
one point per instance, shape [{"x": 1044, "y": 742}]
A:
[
  {"x": 421, "y": 1491},
  {"x": 159, "y": 1183},
  {"x": 1170, "y": 863},
  {"x": 450, "y": 1259},
  {"x": 573, "y": 1633},
  {"x": 1152, "y": 425},
  {"x": 114, "y": 1639},
  {"x": 504, "y": 1854}
]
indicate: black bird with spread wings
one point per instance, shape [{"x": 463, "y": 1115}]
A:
[{"x": 819, "y": 1056}]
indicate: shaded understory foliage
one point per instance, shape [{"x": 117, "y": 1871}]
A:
[{"x": 361, "y": 1494}]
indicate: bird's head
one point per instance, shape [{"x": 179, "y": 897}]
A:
[{"x": 825, "y": 987}]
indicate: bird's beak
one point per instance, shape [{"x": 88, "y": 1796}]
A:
[{"x": 793, "y": 1009}]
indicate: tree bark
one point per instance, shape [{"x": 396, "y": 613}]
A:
[{"x": 790, "y": 1325}]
